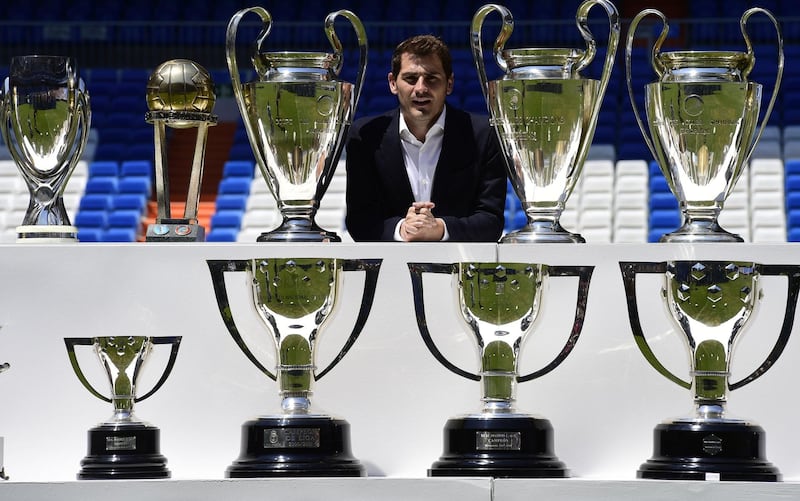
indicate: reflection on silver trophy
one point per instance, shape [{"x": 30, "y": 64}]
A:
[
  {"x": 710, "y": 303},
  {"x": 297, "y": 113},
  {"x": 702, "y": 116},
  {"x": 180, "y": 95},
  {"x": 45, "y": 123},
  {"x": 545, "y": 114},
  {"x": 499, "y": 305},
  {"x": 295, "y": 298},
  {"x": 123, "y": 447}
]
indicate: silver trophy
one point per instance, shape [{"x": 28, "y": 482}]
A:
[
  {"x": 123, "y": 447},
  {"x": 297, "y": 113},
  {"x": 499, "y": 305},
  {"x": 544, "y": 113},
  {"x": 45, "y": 124},
  {"x": 180, "y": 95},
  {"x": 710, "y": 303},
  {"x": 702, "y": 114},
  {"x": 294, "y": 298}
]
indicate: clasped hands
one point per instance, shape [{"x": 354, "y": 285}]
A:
[{"x": 420, "y": 224}]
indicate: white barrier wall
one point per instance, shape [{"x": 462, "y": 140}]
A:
[{"x": 603, "y": 401}]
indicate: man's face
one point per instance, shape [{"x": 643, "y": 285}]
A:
[{"x": 421, "y": 87}]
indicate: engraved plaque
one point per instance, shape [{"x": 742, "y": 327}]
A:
[
  {"x": 498, "y": 440},
  {"x": 291, "y": 438},
  {"x": 120, "y": 443}
]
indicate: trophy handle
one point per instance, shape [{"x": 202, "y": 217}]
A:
[
  {"x": 778, "y": 78},
  {"x": 416, "y": 270},
  {"x": 218, "y": 269},
  {"x": 371, "y": 267},
  {"x": 499, "y": 43},
  {"x": 584, "y": 274},
  {"x": 361, "y": 34},
  {"x": 71, "y": 343},
  {"x": 657, "y": 66},
  {"x": 582, "y": 20},
  {"x": 175, "y": 341},
  {"x": 629, "y": 272},
  {"x": 792, "y": 273}
]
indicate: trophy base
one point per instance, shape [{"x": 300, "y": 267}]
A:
[
  {"x": 700, "y": 232},
  {"x": 295, "y": 446},
  {"x": 691, "y": 450},
  {"x": 175, "y": 230},
  {"x": 45, "y": 234},
  {"x": 542, "y": 232},
  {"x": 516, "y": 446},
  {"x": 129, "y": 451},
  {"x": 299, "y": 230}
]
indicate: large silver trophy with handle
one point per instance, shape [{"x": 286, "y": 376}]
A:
[
  {"x": 702, "y": 115},
  {"x": 499, "y": 305},
  {"x": 544, "y": 113},
  {"x": 45, "y": 124},
  {"x": 297, "y": 113},
  {"x": 294, "y": 299},
  {"x": 710, "y": 303},
  {"x": 123, "y": 447}
]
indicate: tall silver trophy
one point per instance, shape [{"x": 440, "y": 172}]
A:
[
  {"x": 545, "y": 114},
  {"x": 702, "y": 116},
  {"x": 499, "y": 305},
  {"x": 295, "y": 298},
  {"x": 709, "y": 304},
  {"x": 123, "y": 447},
  {"x": 180, "y": 95},
  {"x": 45, "y": 124},
  {"x": 297, "y": 113}
]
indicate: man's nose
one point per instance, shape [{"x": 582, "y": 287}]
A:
[{"x": 419, "y": 85}]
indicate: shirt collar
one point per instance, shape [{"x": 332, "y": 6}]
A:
[{"x": 436, "y": 128}]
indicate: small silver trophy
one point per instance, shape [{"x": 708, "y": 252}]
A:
[
  {"x": 45, "y": 124},
  {"x": 702, "y": 114},
  {"x": 545, "y": 114},
  {"x": 710, "y": 303},
  {"x": 499, "y": 305},
  {"x": 123, "y": 447},
  {"x": 297, "y": 113},
  {"x": 294, "y": 298},
  {"x": 180, "y": 95}
]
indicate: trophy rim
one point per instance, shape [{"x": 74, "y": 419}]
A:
[
  {"x": 543, "y": 56},
  {"x": 675, "y": 60},
  {"x": 299, "y": 59}
]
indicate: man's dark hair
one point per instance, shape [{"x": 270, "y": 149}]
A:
[{"x": 423, "y": 45}]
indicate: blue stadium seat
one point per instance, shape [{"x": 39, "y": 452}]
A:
[
  {"x": 134, "y": 185},
  {"x": 101, "y": 185},
  {"x": 128, "y": 201},
  {"x": 124, "y": 218},
  {"x": 234, "y": 186},
  {"x": 119, "y": 235},
  {"x": 231, "y": 202},
  {"x": 238, "y": 168},
  {"x": 222, "y": 235},
  {"x": 91, "y": 219},
  {"x": 143, "y": 168},
  {"x": 97, "y": 202},
  {"x": 227, "y": 219},
  {"x": 103, "y": 168}
]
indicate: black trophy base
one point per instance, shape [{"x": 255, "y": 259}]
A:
[
  {"x": 515, "y": 446},
  {"x": 689, "y": 451},
  {"x": 299, "y": 229},
  {"x": 296, "y": 446},
  {"x": 124, "y": 452}
]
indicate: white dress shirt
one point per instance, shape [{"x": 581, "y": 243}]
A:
[{"x": 420, "y": 159}]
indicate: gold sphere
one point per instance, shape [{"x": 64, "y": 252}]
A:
[{"x": 180, "y": 85}]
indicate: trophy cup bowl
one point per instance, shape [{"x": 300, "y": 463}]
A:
[
  {"x": 123, "y": 447},
  {"x": 544, "y": 113},
  {"x": 296, "y": 114},
  {"x": 295, "y": 298},
  {"x": 45, "y": 124},
  {"x": 702, "y": 114},
  {"x": 710, "y": 304},
  {"x": 499, "y": 305},
  {"x": 180, "y": 95}
]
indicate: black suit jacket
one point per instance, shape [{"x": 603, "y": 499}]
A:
[{"x": 469, "y": 186}]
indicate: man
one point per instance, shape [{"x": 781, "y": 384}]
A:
[{"x": 426, "y": 171}]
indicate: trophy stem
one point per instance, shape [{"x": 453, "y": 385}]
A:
[
  {"x": 298, "y": 226},
  {"x": 543, "y": 227}
]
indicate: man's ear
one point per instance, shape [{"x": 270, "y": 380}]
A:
[
  {"x": 392, "y": 83},
  {"x": 450, "y": 82}
]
